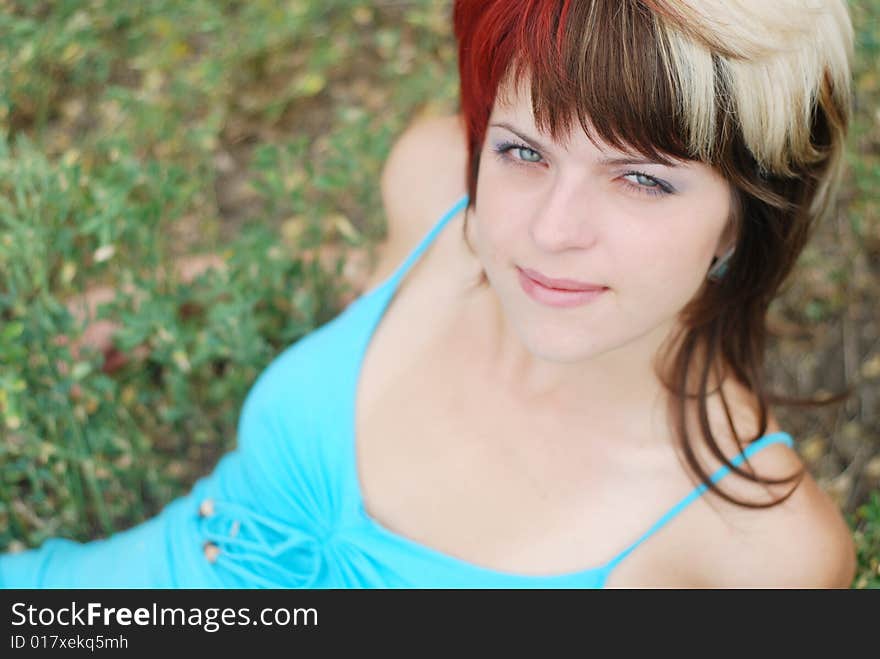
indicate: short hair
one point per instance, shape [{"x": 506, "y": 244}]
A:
[{"x": 759, "y": 90}]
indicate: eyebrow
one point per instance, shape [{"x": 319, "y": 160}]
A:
[{"x": 605, "y": 161}]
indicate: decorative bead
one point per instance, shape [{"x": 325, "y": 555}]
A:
[
  {"x": 212, "y": 551},
  {"x": 206, "y": 508}
]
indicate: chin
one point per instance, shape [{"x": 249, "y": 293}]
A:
[{"x": 562, "y": 345}]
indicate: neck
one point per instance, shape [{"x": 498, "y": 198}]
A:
[{"x": 617, "y": 390}]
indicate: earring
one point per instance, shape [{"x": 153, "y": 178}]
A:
[{"x": 719, "y": 266}]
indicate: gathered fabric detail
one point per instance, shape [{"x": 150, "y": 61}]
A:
[{"x": 262, "y": 551}]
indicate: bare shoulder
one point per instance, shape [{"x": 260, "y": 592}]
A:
[
  {"x": 422, "y": 176},
  {"x": 425, "y": 167},
  {"x": 803, "y": 542}
]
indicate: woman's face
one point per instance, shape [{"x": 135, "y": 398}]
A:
[{"x": 644, "y": 232}]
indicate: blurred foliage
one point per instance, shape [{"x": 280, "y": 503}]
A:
[
  {"x": 867, "y": 536},
  {"x": 133, "y": 134}
]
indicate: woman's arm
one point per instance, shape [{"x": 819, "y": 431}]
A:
[
  {"x": 422, "y": 176},
  {"x": 248, "y": 486},
  {"x": 803, "y": 542},
  {"x": 163, "y": 552}
]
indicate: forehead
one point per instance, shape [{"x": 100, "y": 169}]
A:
[{"x": 513, "y": 101}]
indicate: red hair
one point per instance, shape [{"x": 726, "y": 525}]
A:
[
  {"x": 597, "y": 61},
  {"x": 497, "y": 34}
]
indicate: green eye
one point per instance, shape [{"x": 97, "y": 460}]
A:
[
  {"x": 524, "y": 155},
  {"x": 645, "y": 184},
  {"x": 641, "y": 179},
  {"x": 523, "y": 150}
]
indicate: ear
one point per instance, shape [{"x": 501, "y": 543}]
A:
[{"x": 727, "y": 241}]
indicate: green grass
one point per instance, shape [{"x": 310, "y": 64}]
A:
[{"x": 134, "y": 133}]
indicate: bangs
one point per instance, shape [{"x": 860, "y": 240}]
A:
[
  {"x": 666, "y": 79},
  {"x": 605, "y": 70}
]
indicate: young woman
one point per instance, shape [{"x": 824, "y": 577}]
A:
[{"x": 555, "y": 378}]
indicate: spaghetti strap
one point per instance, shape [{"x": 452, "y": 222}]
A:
[
  {"x": 404, "y": 267},
  {"x": 751, "y": 449}
]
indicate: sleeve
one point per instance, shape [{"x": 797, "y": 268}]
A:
[
  {"x": 167, "y": 551},
  {"x": 173, "y": 549}
]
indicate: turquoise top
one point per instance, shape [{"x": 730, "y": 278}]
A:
[{"x": 284, "y": 509}]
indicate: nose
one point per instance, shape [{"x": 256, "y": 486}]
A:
[{"x": 566, "y": 219}]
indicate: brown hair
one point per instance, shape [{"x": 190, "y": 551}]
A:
[{"x": 754, "y": 89}]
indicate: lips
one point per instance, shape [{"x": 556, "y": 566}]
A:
[
  {"x": 561, "y": 284},
  {"x": 558, "y": 297}
]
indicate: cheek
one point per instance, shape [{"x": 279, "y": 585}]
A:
[
  {"x": 666, "y": 268},
  {"x": 499, "y": 222},
  {"x": 671, "y": 253}
]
